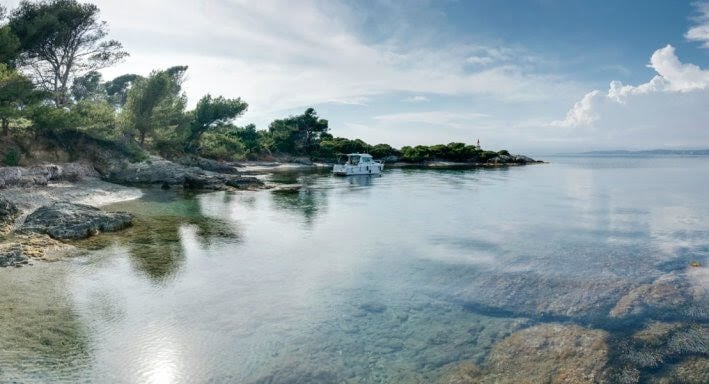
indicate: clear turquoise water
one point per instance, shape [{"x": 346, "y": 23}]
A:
[{"x": 358, "y": 280}]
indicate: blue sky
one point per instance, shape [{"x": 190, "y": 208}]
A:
[{"x": 532, "y": 76}]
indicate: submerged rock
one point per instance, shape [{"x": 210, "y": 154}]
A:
[
  {"x": 64, "y": 220},
  {"x": 655, "y": 349},
  {"x": 12, "y": 255},
  {"x": 669, "y": 292},
  {"x": 542, "y": 296},
  {"x": 691, "y": 371},
  {"x": 548, "y": 353}
]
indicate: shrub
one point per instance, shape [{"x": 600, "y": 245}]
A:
[{"x": 12, "y": 158}]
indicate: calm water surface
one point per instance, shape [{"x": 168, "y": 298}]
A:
[{"x": 356, "y": 280}]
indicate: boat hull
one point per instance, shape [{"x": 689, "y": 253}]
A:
[{"x": 350, "y": 170}]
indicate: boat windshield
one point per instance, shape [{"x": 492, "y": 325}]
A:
[{"x": 353, "y": 160}]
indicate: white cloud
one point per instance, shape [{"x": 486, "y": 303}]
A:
[
  {"x": 415, "y": 99},
  {"x": 582, "y": 113},
  {"x": 280, "y": 57},
  {"x": 700, "y": 32},
  {"x": 668, "y": 111},
  {"x": 451, "y": 119}
]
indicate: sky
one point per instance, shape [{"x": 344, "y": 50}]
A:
[{"x": 536, "y": 76}]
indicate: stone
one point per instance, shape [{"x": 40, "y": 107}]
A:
[
  {"x": 244, "y": 182},
  {"x": 8, "y": 211},
  {"x": 668, "y": 292},
  {"x": 165, "y": 173},
  {"x": 63, "y": 220},
  {"x": 11, "y": 175},
  {"x": 547, "y": 353},
  {"x": 12, "y": 255},
  {"x": 694, "y": 370}
]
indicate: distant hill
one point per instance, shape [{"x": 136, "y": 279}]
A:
[{"x": 683, "y": 152}]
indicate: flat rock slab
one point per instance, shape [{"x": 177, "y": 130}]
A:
[{"x": 62, "y": 220}]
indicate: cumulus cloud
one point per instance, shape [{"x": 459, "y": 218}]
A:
[
  {"x": 668, "y": 110},
  {"x": 700, "y": 32}
]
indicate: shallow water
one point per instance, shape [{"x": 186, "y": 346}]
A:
[{"x": 358, "y": 280}]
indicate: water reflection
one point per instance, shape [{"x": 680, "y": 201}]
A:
[
  {"x": 154, "y": 240},
  {"x": 390, "y": 279},
  {"x": 304, "y": 201}
]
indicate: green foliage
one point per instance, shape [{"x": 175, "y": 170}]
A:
[
  {"x": 118, "y": 88},
  {"x": 330, "y": 149},
  {"x": 88, "y": 86},
  {"x": 381, "y": 151},
  {"x": 59, "y": 39},
  {"x": 209, "y": 114},
  {"x": 16, "y": 93},
  {"x": 49, "y": 119},
  {"x": 12, "y": 158},
  {"x": 221, "y": 146},
  {"x": 298, "y": 135},
  {"x": 96, "y": 118},
  {"x": 9, "y": 46},
  {"x": 153, "y": 104},
  {"x": 459, "y": 152},
  {"x": 503, "y": 152}
]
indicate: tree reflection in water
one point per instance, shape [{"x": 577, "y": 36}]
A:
[{"x": 154, "y": 238}]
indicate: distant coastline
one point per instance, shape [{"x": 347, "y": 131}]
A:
[{"x": 649, "y": 152}]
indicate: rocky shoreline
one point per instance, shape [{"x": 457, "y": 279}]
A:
[
  {"x": 109, "y": 179},
  {"x": 43, "y": 206}
]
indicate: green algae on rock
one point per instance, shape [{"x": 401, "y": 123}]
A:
[{"x": 548, "y": 353}]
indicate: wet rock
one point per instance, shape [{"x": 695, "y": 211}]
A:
[
  {"x": 691, "y": 371},
  {"x": 208, "y": 164},
  {"x": 155, "y": 170},
  {"x": 542, "y": 296},
  {"x": 8, "y": 211},
  {"x": 668, "y": 292},
  {"x": 64, "y": 220},
  {"x": 465, "y": 373},
  {"x": 521, "y": 159},
  {"x": 373, "y": 307},
  {"x": 298, "y": 375},
  {"x": 165, "y": 173},
  {"x": 655, "y": 347},
  {"x": 12, "y": 255},
  {"x": 244, "y": 182},
  {"x": 548, "y": 353}
]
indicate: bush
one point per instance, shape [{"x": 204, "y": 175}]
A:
[{"x": 12, "y": 158}]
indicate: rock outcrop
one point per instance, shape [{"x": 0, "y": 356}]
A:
[
  {"x": 548, "y": 353},
  {"x": 8, "y": 211},
  {"x": 40, "y": 175},
  {"x": 157, "y": 170},
  {"x": 63, "y": 220}
]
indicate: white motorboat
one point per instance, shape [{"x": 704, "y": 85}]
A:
[{"x": 358, "y": 164}]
